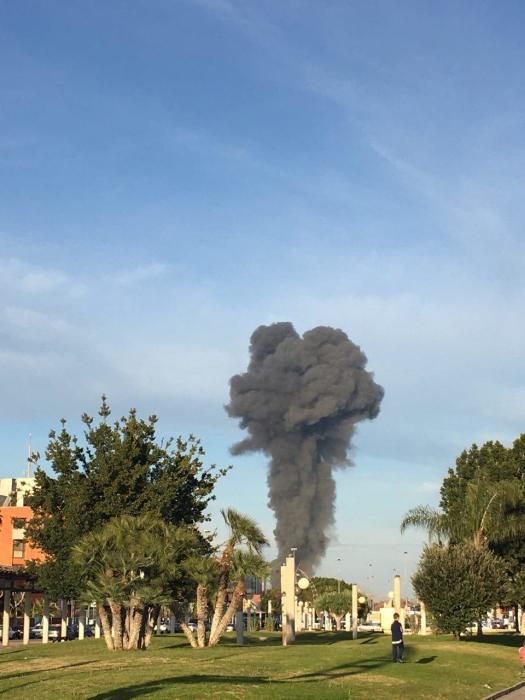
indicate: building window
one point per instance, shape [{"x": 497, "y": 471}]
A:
[
  {"x": 18, "y": 549},
  {"x": 18, "y": 523}
]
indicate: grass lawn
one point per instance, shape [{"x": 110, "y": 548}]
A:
[{"x": 319, "y": 665}]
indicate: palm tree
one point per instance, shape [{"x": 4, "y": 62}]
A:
[
  {"x": 204, "y": 571},
  {"x": 430, "y": 519},
  {"x": 243, "y": 564},
  {"x": 489, "y": 513},
  {"x": 129, "y": 567},
  {"x": 243, "y": 533}
]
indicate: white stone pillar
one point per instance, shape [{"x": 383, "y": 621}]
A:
[
  {"x": 27, "y": 616},
  {"x": 63, "y": 619},
  {"x": 5, "y": 616},
  {"x": 311, "y": 613},
  {"x": 327, "y": 622},
  {"x": 354, "y": 611},
  {"x": 423, "y": 629},
  {"x": 348, "y": 622},
  {"x": 299, "y": 616},
  {"x": 45, "y": 621},
  {"x": 97, "y": 624},
  {"x": 288, "y": 596},
  {"x": 397, "y": 593},
  {"x": 81, "y": 624}
]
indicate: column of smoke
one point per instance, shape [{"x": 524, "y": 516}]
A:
[{"x": 300, "y": 401}]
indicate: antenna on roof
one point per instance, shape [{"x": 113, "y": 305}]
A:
[{"x": 29, "y": 468}]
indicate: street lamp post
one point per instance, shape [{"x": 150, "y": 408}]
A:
[{"x": 406, "y": 578}]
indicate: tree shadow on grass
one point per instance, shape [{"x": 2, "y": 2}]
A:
[
  {"x": 8, "y": 653},
  {"x": 369, "y": 640},
  {"x": 133, "y": 691},
  {"x": 505, "y": 639},
  {"x": 25, "y": 674},
  {"x": 347, "y": 669},
  {"x": 340, "y": 671}
]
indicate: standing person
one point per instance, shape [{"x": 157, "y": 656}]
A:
[
  {"x": 521, "y": 652},
  {"x": 397, "y": 640}
]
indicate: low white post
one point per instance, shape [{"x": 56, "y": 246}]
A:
[
  {"x": 63, "y": 619},
  {"x": 97, "y": 625},
  {"x": 81, "y": 624},
  {"x": 354, "y": 611},
  {"x": 348, "y": 622},
  {"x": 5, "y": 616},
  {"x": 27, "y": 616},
  {"x": 45, "y": 621},
  {"x": 423, "y": 629}
]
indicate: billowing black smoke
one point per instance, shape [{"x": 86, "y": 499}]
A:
[{"x": 300, "y": 401}]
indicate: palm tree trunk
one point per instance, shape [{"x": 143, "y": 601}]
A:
[
  {"x": 116, "y": 619},
  {"x": 189, "y": 635},
  {"x": 135, "y": 620},
  {"x": 222, "y": 590},
  {"x": 338, "y": 619},
  {"x": 151, "y": 621},
  {"x": 202, "y": 614},
  {"x": 237, "y": 594},
  {"x": 106, "y": 627}
]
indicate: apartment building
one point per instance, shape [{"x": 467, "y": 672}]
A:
[{"x": 15, "y": 550}]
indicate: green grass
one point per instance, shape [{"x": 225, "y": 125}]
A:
[{"x": 319, "y": 665}]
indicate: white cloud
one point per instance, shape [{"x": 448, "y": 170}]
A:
[
  {"x": 18, "y": 274},
  {"x": 136, "y": 275}
]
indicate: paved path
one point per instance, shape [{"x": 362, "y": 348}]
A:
[{"x": 517, "y": 694}]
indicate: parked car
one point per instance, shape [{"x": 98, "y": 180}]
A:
[
  {"x": 55, "y": 633},
  {"x": 369, "y": 627},
  {"x": 11, "y": 633},
  {"x": 35, "y": 632}
]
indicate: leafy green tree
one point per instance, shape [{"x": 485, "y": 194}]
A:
[
  {"x": 131, "y": 566},
  {"x": 458, "y": 584},
  {"x": 335, "y": 604},
  {"x": 320, "y": 585},
  {"x": 118, "y": 468}
]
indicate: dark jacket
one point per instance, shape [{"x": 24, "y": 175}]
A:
[{"x": 397, "y": 632}]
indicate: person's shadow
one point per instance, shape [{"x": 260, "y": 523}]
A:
[{"x": 426, "y": 660}]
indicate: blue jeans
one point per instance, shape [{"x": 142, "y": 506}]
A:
[{"x": 397, "y": 651}]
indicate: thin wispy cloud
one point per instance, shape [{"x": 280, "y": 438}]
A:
[{"x": 137, "y": 275}]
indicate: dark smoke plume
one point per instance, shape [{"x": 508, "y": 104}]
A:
[{"x": 300, "y": 401}]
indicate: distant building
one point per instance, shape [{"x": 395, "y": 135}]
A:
[{"x": 15, "y": 550}]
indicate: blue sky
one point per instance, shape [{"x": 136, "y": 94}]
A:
[{"x": 173, "y": 174}]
